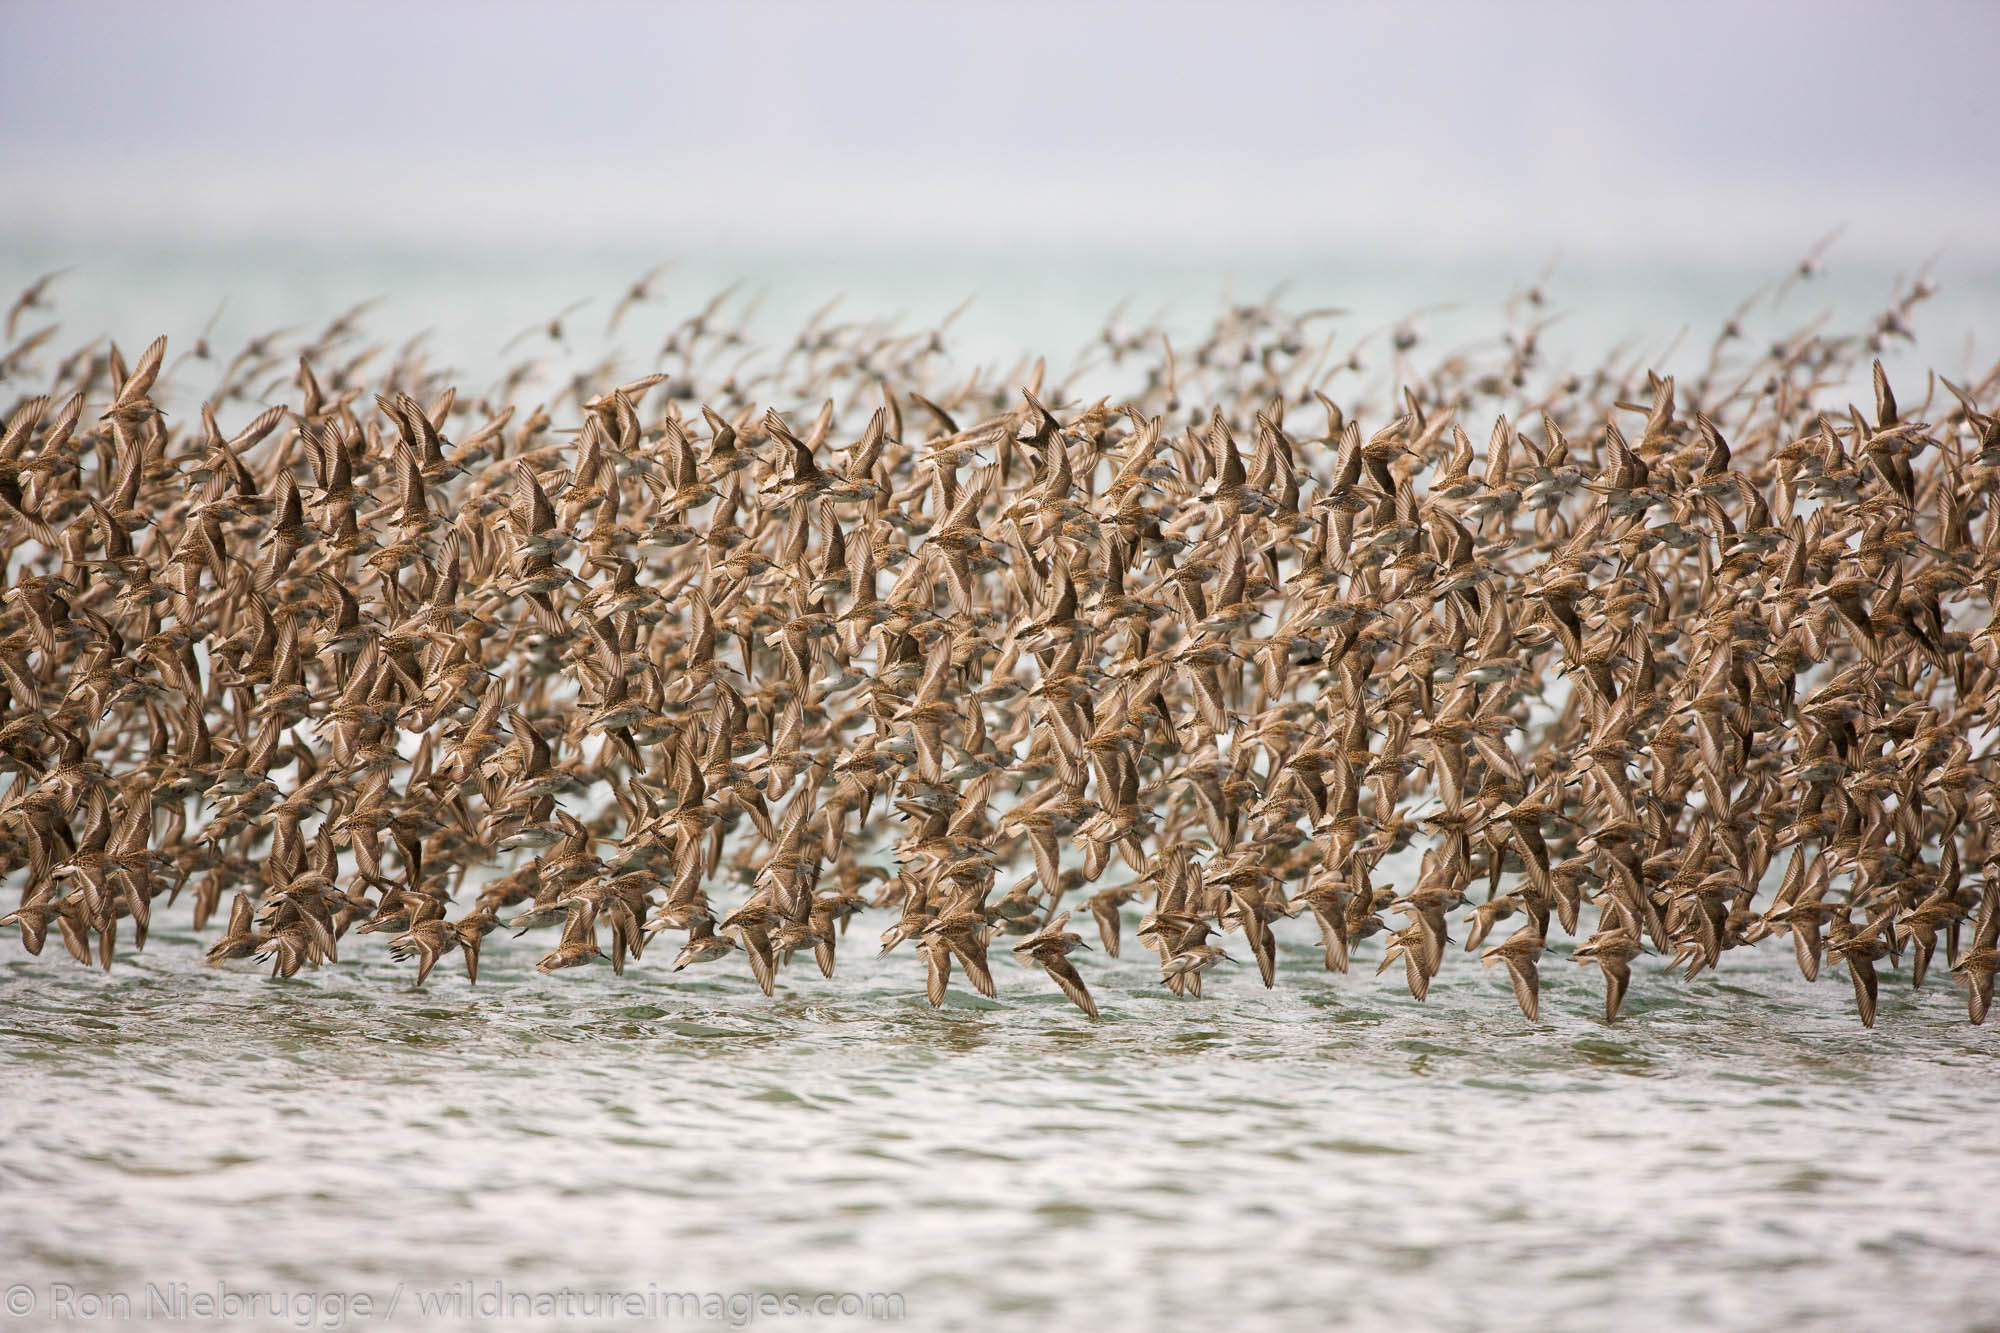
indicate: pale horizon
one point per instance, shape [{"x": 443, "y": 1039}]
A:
[{"x": 1725, "y": 135}]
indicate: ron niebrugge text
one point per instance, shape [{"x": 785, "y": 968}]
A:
[{"x": 187, "y": 1302}]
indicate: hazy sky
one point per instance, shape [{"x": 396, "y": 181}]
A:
[{"x": 1718, "y": 129}]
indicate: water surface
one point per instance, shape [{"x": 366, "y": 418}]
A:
[{"x": 1736, "y": 1152}]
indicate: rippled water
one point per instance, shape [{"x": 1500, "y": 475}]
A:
[{"x": 1735, "y": 1152}]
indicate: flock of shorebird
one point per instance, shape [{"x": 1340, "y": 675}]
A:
[{"x": 1670, "y": 667}]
